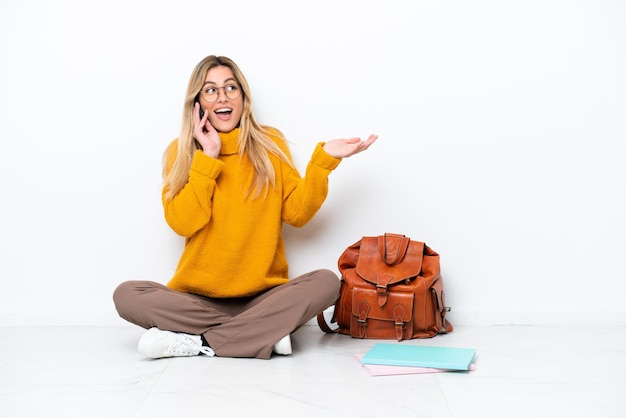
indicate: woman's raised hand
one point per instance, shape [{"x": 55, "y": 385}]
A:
[
  {"x": 205, "y": 133},
  {"x": 343, "y": 148}
]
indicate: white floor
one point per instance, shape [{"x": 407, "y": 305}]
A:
[{"x": 521, "y": 371}]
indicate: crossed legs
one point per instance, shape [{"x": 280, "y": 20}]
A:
[{"x": 237, "y": 327}]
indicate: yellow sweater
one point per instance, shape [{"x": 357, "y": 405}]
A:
[{"x": 234, "y": 245}]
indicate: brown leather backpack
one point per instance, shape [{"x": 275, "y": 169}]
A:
[{"x": 391, "y": 288}]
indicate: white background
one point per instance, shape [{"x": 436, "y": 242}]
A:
[{"x": 502, "y": 143}]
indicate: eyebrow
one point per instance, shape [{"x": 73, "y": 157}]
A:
[{"x": 225, "y": 81}]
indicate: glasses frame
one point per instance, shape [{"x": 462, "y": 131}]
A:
[{"x": 217, "y": 94}]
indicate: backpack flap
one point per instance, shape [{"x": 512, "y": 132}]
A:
[{"x": 389, "y": 259}]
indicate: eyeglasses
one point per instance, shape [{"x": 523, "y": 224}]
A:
[{"x": 210, "y": 94}]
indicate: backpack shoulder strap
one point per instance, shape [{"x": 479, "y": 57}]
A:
[{"x": 321, "y": 321}]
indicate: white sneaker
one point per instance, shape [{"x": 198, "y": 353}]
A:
[
  {"x": 156, "y": 343},
  {"x": 283, "y": 346}
]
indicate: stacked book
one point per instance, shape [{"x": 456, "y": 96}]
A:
[{"x": 390, "y": 359}]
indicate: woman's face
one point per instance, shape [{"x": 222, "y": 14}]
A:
[{"x": 221, "y": 97}]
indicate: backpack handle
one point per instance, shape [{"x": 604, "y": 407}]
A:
[{"x": 392, "y": 249}]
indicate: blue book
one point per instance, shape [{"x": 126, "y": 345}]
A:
[{"x": 420, "y": 356}]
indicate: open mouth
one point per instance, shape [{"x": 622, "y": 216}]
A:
[{"x": 224, "y": 113}]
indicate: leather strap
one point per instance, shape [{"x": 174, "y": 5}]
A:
[
  {"x": 398, "y": 315},
  {"x": 362, "y": 309},
  {"x": 382, "y": 281},
  {"x": 321, "y": 321}
]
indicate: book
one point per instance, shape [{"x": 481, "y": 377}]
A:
[
  {"x": 452, "y": 358},
  {"x": 381, "y": 370}
]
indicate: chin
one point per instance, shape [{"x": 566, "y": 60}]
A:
[
  {"x": 224, "y": 129},
  {"x": 222, "y": 126}
]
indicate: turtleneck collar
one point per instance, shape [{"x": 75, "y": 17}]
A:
[{"x": 230, "y": 142}]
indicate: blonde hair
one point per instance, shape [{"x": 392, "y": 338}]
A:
[{"x": 254, "y": 139}]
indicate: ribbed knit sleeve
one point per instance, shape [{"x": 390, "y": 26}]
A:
[
  {"x": 303, "y": 196},
  {"x": 190, "y": 210}
]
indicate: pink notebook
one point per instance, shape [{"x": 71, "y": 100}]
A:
[{"x": 379, "y": 370}]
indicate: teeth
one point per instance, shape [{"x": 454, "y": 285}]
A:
[{"x": 223, "y": 110}]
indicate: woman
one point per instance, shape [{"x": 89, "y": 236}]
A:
[{"x": 229, "y": 184}]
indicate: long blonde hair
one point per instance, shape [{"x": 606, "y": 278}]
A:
[{"x": 254, "y": 139}]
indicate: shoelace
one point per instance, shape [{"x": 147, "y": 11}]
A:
[{"x": 186, "y": 344}]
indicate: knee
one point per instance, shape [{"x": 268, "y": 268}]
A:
[
  {"x": 328, "y": 274},
  {"x": 123, "y": 295},
  {"x": 120, "y": 294},
  {"x": 331, "y": 281}
]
